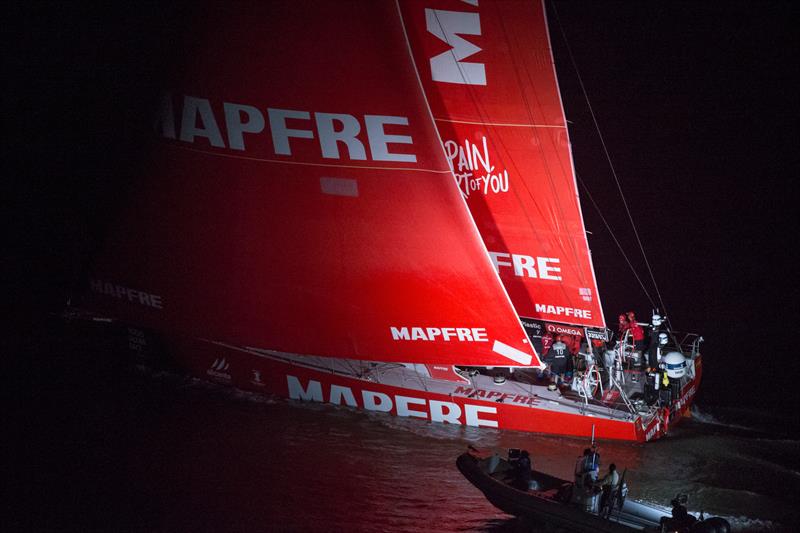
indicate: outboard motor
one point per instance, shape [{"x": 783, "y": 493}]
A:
[{"x": 675, "y": 364}]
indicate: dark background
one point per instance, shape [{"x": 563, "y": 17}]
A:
[
  {"x": 697, "y": 102},
  {"x": 698, "y": 106}
]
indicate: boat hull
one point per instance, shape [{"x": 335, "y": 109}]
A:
[
  {"x": 396, "y": 393},
  {"x": 551, "y": 512}
]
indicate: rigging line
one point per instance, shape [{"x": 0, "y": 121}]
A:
[
  {"x": 611, "y": 232},
  {"x": 608, "y": 158}
]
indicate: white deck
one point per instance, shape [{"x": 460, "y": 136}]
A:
[{"x": 518, "y": 384}]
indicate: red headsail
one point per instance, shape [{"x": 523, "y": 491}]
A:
[
  {"x": 300, "y": 201},
  {"x": 488, "y": 73}
]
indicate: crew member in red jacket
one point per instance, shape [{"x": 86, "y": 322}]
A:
[
  {"x": 622, "y": 326},
  {"x": 637, "y": 332},
  {"x": 547, "y": 342}
]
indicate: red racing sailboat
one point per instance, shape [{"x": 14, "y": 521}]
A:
[{"x": 379, "y": 212}]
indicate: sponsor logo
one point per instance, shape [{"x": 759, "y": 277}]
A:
[
  {"x": 137, "y": 342},
  {"x": 466, "y": 161},
  {"x": 405, "y": 333},
  {"x": 687, "y": 395},
  {"x": 527, "y": 266},
  {"x": 496, "y": 396},
  {"x": 533, "y": 327},
  {"x": 449, "y": 67},
  {"x": 121, "y": 292},
  {"x": 219, "y": 369},
  {"x": 597, "y": 334},
  {"x": 652, "y": 431},
  {"x": 563, "y": 311},
  {"x": 334, "y": 131},
  {"x": 407, "y": 406},
  {"x": 564, "y": 330}
]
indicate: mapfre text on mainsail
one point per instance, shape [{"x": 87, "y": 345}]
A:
[{"x": 241, "y": 127}]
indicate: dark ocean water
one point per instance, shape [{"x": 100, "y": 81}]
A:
[{"x": 120, "y": 448}]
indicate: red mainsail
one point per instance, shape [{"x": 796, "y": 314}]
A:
[
  {"x": 488, "y": 73},
  {"x": 299, "y": 200}
]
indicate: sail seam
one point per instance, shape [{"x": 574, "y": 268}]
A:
[
  {"x": 329, "y": 165},
  {"x": 510, "y": 124}
]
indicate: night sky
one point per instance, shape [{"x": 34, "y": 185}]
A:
[{"x": 697, "y": 102}]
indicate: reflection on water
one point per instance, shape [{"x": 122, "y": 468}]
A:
[{"x": 180, "y": 455}]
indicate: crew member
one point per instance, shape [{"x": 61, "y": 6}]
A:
[
  {"x": 592, "y": 464},
  {"x": 665, "y": 393},
  {"x": 622, "y": 326},
  {"x": 522, "y": 476},
  {"x": 637, "y": 332},
  {"x": 558, "y": 356},
  {"x": 547, "y": 342},
  {"x": 609, "y": 484},
  {"x": 680, "y": 516},
  {"x": 656, "y": 328},
  {"x": 657, "y": 349},
  {"x": 580, "y": 469}
]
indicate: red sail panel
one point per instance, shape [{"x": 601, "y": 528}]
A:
[
  {"x": 488, "y": 73},
  {"x": 300, "y": 201}
]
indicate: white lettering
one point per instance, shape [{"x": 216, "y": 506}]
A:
[
  {"x": 438, "y": 414},
  {"x": 472, "y": 413},
  {"x": 447, "y": 67},
  {"x": 464, "y": 334},
  {"x": 281, "y": 133},
  {"x": 433, "y": 333},
  {"x": 376, "y": 401},
  {"x": 378, "y": 138},
  {"x": 297, "y": 392},
  {"x": 558, "y": 310},
  {"x": 121, "y": 292},
  {"x": 545, "y": 268},
  {"x": 338, "y": 392},
  {"x": 496, "y": 259},
  {"x": 523, "y": 265},
  {"x": 479, "y": 334},
  {"x": 447, "y": 333},
  {"x": 235, "y": 126},
  {"x": 329, "y": 137},
  {"x": 403, "y": 409},
  {"x": 400, "y": 334},
  {"x": 194, "y": 108}
]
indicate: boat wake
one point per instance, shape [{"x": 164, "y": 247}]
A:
[
  {"x": 743, "y": 523},
  {"x": 757, "y": 423},
  {"x": 708, "y": 418}
]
